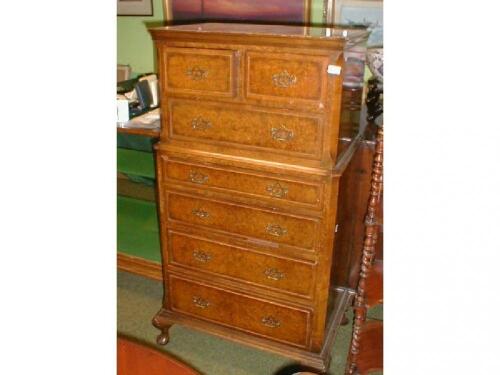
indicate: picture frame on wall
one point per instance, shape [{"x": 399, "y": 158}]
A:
[
  {"x": 358, "y": 12},
  {"x": 134, "y": 7},
  {"x": 268, "y": 11}
]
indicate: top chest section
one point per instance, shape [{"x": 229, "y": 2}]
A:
[{"x": 252, "y": 74}]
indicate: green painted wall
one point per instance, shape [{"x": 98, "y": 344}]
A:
[
  {"x": 317, "y": 11},
  {"x": 135, "y": 46}
]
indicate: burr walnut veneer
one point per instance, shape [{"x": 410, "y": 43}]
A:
[{"x": 249, "y": 182}]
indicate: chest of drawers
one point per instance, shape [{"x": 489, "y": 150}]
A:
[{"x": 250, "y": 173}]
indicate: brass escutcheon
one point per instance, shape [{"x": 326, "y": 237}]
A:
[
  {"x": 197, "y": 177},
  {"x": 276, "y": 190},
  {"x": 276, "y": 230},
  {"x": 196, "y": 73},
  {"x": 201, "y": 256},
  {"x": 274, "y": 274},
  {"x": 282, "y": 134},
  {"x": 284, "y": 79},
  {"x": 200, "y": 302},
  {"x": 269, "y": 321},
  {"x": 200, "y": 213},
  {"x": 200, "y": 123}
]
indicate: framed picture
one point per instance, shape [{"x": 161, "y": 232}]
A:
[
  {"x": 134, "y": 7},
  {"x": 269, "y": 11},
  {"x": 358, "y": 12}
]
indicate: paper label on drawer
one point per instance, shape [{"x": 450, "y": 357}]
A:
[{"x": 334, "y": 69}]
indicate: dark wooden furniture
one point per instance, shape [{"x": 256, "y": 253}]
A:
[
  {"x": 135, "y": 358},
  {"x": 366, "y": 350},
  {"x": 256, "y": 189}
]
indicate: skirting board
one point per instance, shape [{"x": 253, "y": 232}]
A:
[{"x": 139, "y": 266}]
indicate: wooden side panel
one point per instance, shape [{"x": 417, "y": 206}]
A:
[{"x": 353, "y": 197}]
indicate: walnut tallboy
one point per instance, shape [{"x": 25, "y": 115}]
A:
[{"x": 250, "y": 170}]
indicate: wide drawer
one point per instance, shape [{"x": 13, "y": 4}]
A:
[
  {"x": 198, "y": 71},
  {"x": 250, "y": 314},
  {"x": 244, "y": 220},
  {"x": 251, "y": 183},
  {"x": 232, "y": 124},
  {"x": 239, "y": 263},
  {"x": 286, "y": 78}
]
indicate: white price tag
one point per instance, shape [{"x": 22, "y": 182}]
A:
[{"x": 334, "y": 69}]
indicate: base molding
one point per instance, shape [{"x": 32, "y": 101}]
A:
[
  {"x": 320, "y": 361},
  {"x": 139, "y": 266}
]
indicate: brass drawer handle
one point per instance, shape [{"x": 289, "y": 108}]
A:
[
  {"x": 282, "y": 134},
  {"x": 200, "y": 302},
  {"x": 200, "y": 213},
  {"x": 284, "y": 79},
  {"x": 269, "y": 321},
  {"x": 276, "y": 190},
  {"x": 196, "y": 73},
  {"x": 197, "y": 177},
  {"x": 274, "y": 274},
  {"x": 201, "y": 256},
  {"x": 200, "y": 123},
  {"x": 276, "y": 230}
]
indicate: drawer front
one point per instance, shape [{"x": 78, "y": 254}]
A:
[
  {"x": 286, "y": 77},
  {"x": 198, "y": 71},
  {"x": 246, "y": 221},
  {"x": 249, "y": 314},
  {"x": 216, "y": 123},
  {"x": 252, "y": 184},
  {"x": 239, "y": 263}
]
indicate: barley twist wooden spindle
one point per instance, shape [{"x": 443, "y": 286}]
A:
[{"x": 368, "y": 251}]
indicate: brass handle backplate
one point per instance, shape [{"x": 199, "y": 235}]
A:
[
  {"x": 276, "y": 230},
  {"x": 200, "y": 123},
  {"x": 274, "y": 274},
  {"x": 197, "y": 177},
  {"x": 276, "y": 190},
  {"x": 282, "y": 134},
  {"x": 201, "y": 256},
  {"x": 271, "y": 322},
  {"x": 284, "y": 79},
  {"x": 200, "y": 302},
  {"x": 200, "y": 213},
  {"x": 196, "y": 73}
]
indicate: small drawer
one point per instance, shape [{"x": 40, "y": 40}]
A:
[
  {"x": 198, "y": 71},
  {"x": 252, "y": 184},
  {"x": 298, "y": 135},
  {"x": 214, "y": 257},
  {"x": 244, "y": 220},
  {"x": 256, "y": 316},
  {"x": 286, "y": 78}
]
